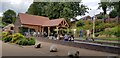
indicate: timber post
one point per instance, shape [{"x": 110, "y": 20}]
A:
[
  {"x": 48, "y": 31},
  {"x": 57, "y": 29}
]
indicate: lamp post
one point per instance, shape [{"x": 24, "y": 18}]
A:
[
  {"x": 74, "y": 31},
  {"x": 94, "y": 26}
]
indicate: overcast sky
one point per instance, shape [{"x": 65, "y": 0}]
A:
[{"x": 21, "y": 6}]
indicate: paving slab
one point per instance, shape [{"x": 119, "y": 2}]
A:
[{"x": 9, "y": 49}]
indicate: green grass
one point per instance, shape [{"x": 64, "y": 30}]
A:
[
  {"x": 109, "y": 39},
  {"x": 114, "y": 39},
  {"x": 102, "y": 40}
]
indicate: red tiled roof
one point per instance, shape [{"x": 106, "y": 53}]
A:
[
  {"x": 38, "y": 20},
  {"x": 53, "y": 22}
]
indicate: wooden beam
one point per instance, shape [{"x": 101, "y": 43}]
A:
[
  {"x": 42, "y": 30},
  {"x": 66, "y": 23},
  {"x": 57, "y": 29},
  {"x": 68, "y": 30}
]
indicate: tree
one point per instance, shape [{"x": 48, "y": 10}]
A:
[
  {"x": 110, "y": 4},
  {"x": 100, "y": 16},
  {"x": 104, "y": 6},
  {"x": 116, "y": 6},
  {"x": 55, "y": 10},
  {"x": 113, "y": 14},
  {"x": 9, "y": 17},
  {"x": 80, "y": 23}
]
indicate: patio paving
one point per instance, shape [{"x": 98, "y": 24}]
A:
[{"x": 9, "y": 49}]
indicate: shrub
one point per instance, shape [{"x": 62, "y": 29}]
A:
[
  {"x": 7, "y": 38},
  {"x": 113, "y": 14},
  {"x": 31, "y": 41},
  {"x": 22, "y": 42},
  {"x": 18, "y": 39},
  {"x": 26, "y": 41},
  {"x": 80, "y": 23},
  {"x": 100, "y": 16},
  {"x": 17, "y": 36},
  {"x": 4, "y": 34},
  {"x": 116, "y": 31}
]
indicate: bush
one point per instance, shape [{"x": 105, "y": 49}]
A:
[
  {"x": 18, "y": 39},
  {"x": 31, "y": 41},
  {"x": 7, "y": 38},
  {"x": 116, "y": 31},
  {"x": 80, "y": 23},
  {"x": 26, "y": 41},
  {"x": 100, "y": 16},
  {"x": 4, "y": 34},
  {"x": 17, "y": 36},
  {"x": 111, "y": 31},
  {"x": 113, "y": 14},
  {"x": 22, "y": 42}
]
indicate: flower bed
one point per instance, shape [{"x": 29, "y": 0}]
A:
[{"x": 18, "y": 38}]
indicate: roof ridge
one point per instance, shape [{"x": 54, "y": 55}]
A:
[{"x": 33, "y": 15}]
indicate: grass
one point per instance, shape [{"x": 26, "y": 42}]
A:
[
  {"x": 110, "y": 39},
  {"x": 103, "y": 40}
]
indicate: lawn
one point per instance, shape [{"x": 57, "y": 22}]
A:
[
  {"x": 111, "y": 41},
  {"x": 102, "y": 38}
]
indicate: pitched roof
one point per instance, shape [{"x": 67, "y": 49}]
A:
[
  {"x": 38, "y": 20},
  {"x": 53, "y": 22},
  {"x": 32, "y": 19}
]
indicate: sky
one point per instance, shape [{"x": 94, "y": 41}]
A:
[
  {"x": 21, "y": 6},
  {"x": 93, "y": 5}
]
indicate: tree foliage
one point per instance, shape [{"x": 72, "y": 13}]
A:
[
  {"x": 9, "y": 17},
  {"x": 113, "y": 14},
  {"x": 116, "y": 6},
  {"x": 80, "y": 23},
  {"x": 55, "y": 10},
  {"x": 104, "y": 6},
  {"x": 110, "y": 5}
]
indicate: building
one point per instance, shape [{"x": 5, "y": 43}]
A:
[
  {"x": 39, "y": 23},
  {"x": 8, "y": 28}
]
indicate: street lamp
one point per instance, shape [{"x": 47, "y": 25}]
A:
[
  {"x": 94, "y": 26},
  {"x": 74, "y": 31}
]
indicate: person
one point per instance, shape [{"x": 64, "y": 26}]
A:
[
  {"x": 58, "y": 37},
  {"x": 81, "y": 33},
  {"x": 38, "y": 34},
  {"x": 55, "y": 35},
  {"x": 34, "y": 34},
  {"x": 88, "y": 34},
  {"x": 45, "y": 34},
  {"x": 71, "y": 38},
  {"x": 66, "y": 37}
]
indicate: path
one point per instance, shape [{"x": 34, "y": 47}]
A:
[{"x": 16, "y": 50}]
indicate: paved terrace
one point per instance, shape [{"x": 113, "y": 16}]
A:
[{"x": 9, "y": 49}]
